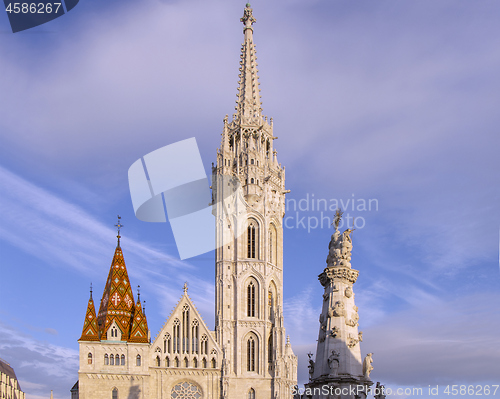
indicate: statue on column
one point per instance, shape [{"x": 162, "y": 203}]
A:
[
  {"x": 311, "y": 366},
  {"x": 367, "y": 365},
  {"x": 340, "y": 246}
]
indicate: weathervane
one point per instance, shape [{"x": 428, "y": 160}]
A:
[{"x": 118, "y": 226}]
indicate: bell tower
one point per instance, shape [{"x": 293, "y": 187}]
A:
[{"x": 249, "y": 204}]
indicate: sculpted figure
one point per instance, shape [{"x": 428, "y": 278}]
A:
[
  {"x": 335, "y": 332},
  {"x": 367, "y": 365},
  {"x": 311, "y": 368},
  {"x": 333, "y": 363}
]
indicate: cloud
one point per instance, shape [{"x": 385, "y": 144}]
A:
[
  {"x": 49, "y": 367},
  {"x": 451, "y": 342}
]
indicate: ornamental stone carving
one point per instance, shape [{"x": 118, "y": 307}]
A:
[
  {"x": 354, "y": 321},
  {"x": 341, "y": 273},
  {"x": 338, "y": 310},
  {"x": 335, "y": 332},
  {"x": 352, "y": 341},
  {"x": 348, "y": 292}
]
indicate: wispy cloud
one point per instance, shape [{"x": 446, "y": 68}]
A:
[{"x": 49, "y": 367}]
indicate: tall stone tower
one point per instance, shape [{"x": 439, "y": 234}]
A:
[
  {"x": 258, "y": 360},
  {"x": 338, "y": 370}
]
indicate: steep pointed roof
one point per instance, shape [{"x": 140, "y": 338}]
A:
[
  {"x": 90, "y": 331},
  {"x": 139, "y": 330},
  {"x": 117, "y": 301},
  {"x": 248, "y": 103}
]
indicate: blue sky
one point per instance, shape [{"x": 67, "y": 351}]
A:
[{"x": 385, "y": 100}]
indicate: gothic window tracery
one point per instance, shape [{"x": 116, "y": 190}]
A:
[
  {"x": 138, "y": 360},
  {"x": 251, "y": 394},
  {"x": 252, "y": 239},
  {"x": 89, "y": 357},
  {"x": 273, "y": 251},
  {"x": 185, "y": 329},
  {"x": 251, "y": 299},
  {"x": 114, "y": 394},
  {"x": 186, "y": 390},
  {"x": 166, "y": 343},
  {"x": 204, "y": 344},
  {"x": 177, "y": 334},
  {"x": 106, "y": 359},
  {"x": 194, "y": 335},
  {"x": 111, "y": 360},
  {"x": 251, "y": 354},
  {"x": 122, "y": 360}
]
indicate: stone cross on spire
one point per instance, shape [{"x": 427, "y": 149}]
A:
[{"x": 118, "y": 227}]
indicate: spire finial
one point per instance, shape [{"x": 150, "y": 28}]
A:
[
  {"x": 248, "y": 19},
  {"x": 185, "y": 288},
  {"x": 144, "y": 308},
  {"x": 139, "y": 293},
  {"x": 90, "y": 290},
  {"x": 118, "y": 226}
]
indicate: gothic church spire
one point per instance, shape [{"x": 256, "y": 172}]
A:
[{"x": 248, "y": 102}]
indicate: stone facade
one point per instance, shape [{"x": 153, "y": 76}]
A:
[
  {"x": 9, "y": 385},
  {"x": 248, "y": 355}
]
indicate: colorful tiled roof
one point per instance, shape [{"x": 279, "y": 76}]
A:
[
  {"x": 139, "y": 331},
  {"x": 117, "y": 303},
  {"x": 90, "y": 331}
]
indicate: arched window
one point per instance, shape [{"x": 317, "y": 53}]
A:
[
  {"x": 252, "y": 180},
  {"x": 204, "y": 344},
  {"x": 138, "y": 360},
  {"x": 177, "y": 334},
  {"x": 204, "y": 363},
  {"x": 195, "y": 363},
  {"x": 114, "y": 394},
  {"x": 176, "y": 361},
  {"x": 194, "y": 336},
  {"x": 251, "y": 394},
  {"x": 123, "y": 360},
  {"x": 251, "y": 354},
  {"x": 157, "y": 361},
  {"x": 106, "y": 359},
  {"x": 186, "y": 363},
  {"x": 214, "y": 363},
  {"x": 166, "y": 343},
  {"x": 252, "y": 238},
  {"x": 252, "y": 161},
  {"x": 251, "y": 299},
  {"x": 185, "y": 329},
  {"x": 89, "y": 358},
  {"x": 112, "y": 360},
  {"x": 270, "y": 349},
  {"x": 167, "y": 362},
  {"x": 273, "y": 251}
]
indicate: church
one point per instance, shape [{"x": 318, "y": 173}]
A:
[{"x": 248, "y": 354}]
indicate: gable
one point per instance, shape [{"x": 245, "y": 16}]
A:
[{"x": 185, "y": 340}]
